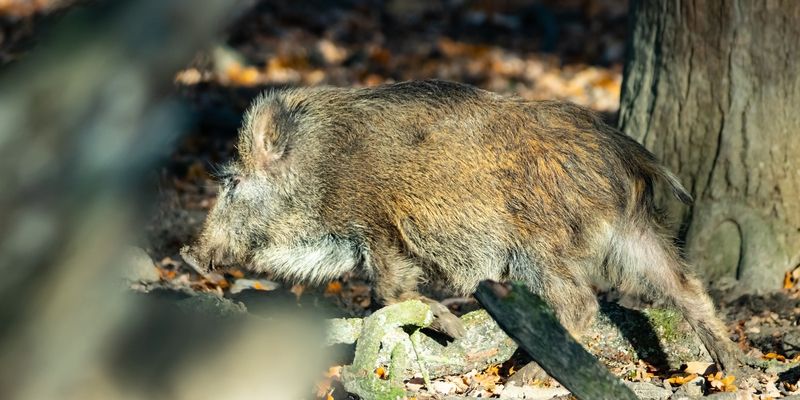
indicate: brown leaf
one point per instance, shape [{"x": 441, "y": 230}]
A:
[
  {"x": 698, "y": 367},
  {"x": 722, "y": 383},
  {"x": 334, "y": 372},
  {"x": 774, "y": 356},
  {"x": 244, "y": 76},
  {"x": 333, "y": 288},
  {"x": 680, "y": 380}
]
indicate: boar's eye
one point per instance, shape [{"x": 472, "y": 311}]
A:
[{"x": 232, "y": 181}]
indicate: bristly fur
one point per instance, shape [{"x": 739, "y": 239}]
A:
[{"x": 433, "y": 179}]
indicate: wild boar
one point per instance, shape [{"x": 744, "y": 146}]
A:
[{"x": 435, "y": 180}]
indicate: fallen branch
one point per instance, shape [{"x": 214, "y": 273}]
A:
[{"x": 531, "y": 322}]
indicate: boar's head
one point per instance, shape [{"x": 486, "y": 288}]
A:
[{"x": 264, "y": 217}]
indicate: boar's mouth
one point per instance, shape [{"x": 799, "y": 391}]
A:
[
  {"x": 204, "y": 262},
  {"x": 205, "y": 255}
]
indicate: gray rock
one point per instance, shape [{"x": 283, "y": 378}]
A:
[
  {"x": 383, "y": 331},
  {"x": 693, "y": 389},
  {"x": 212, "y": 305},
  {"x": 342, "y": 330},
  {"x": 461, "y": 398},
  {"x": 730, "y": 396},
  {"x": 662, "y": 336},
  {"x": 532, "y": 393},
  {"x": 137, "y": 266},
  {"x": 483, "y": 344},
  {"x": 791, "y": 341},
  {"x": 649, "y": 391}
]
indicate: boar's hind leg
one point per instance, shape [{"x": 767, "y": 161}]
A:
[
  {"x": 396, "y": 280},
  {"x": 574, "y": 302},
  {"x": 649, "y": 259},
  {"x": 560, "y": 282}
]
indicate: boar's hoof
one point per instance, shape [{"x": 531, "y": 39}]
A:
[
  {"x": 191, "y": 260},
  {"x": 736, "y": 363},
  {"x": 450, "y": 325},
  {"x": 445, "y": 322},
  {"x": 527, "y": 374}
]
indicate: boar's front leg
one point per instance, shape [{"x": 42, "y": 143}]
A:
[
  {"x": 445, "y": 321},
  {"x": 397, "y": 277}
]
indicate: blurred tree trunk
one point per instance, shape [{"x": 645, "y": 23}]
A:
[
  {"x": 713, "y": 89},
  {"x": 83, "y": 119}
]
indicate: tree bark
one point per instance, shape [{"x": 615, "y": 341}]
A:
[{"x": 712, "y": 87}]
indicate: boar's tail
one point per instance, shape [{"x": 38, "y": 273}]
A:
[
  {"x": 677, "y": 188},
  {"x": 650, "y": 169},
  {"x": 646, "y": 166}
]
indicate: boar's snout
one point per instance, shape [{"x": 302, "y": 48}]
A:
[
  {"x": 202, "y": 263},
  {"x": 204, "y": 258}
]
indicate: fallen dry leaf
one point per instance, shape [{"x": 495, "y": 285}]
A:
[
  {"x": 256, "y": 284},
  {"x": 643, "y": 372},
  {"x": 489, "y": 378},
  {"x": 722, "y": 383},
  {"x": 244, "y": 76},
  {"x": 680, "y": 380},
  {"x": 333, "y": 288},
  {"x": 698, "y": 367},
  {"x": 334, "y": 372},
  {"x": 323, "y": 388},
  {"x": 167, "y": 274},
  {"x": 238, "y": 274},
  {"x": 774, "y": 356}
]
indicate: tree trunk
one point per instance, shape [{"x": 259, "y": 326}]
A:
[{"x": 713, "y": 89}]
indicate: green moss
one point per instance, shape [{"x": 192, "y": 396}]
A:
[
  {"x": 666, "y": 323},
  {"x": 359, "y": 377},
  {"x": 399, "y": 364}
]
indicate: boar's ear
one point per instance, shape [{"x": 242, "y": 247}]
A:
[{"x": 264, "y": 138}]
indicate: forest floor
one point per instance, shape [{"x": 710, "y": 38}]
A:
[{"x": 571, "y": 50}]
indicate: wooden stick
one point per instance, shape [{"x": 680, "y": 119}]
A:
[{"x": 527, "y": 319}]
